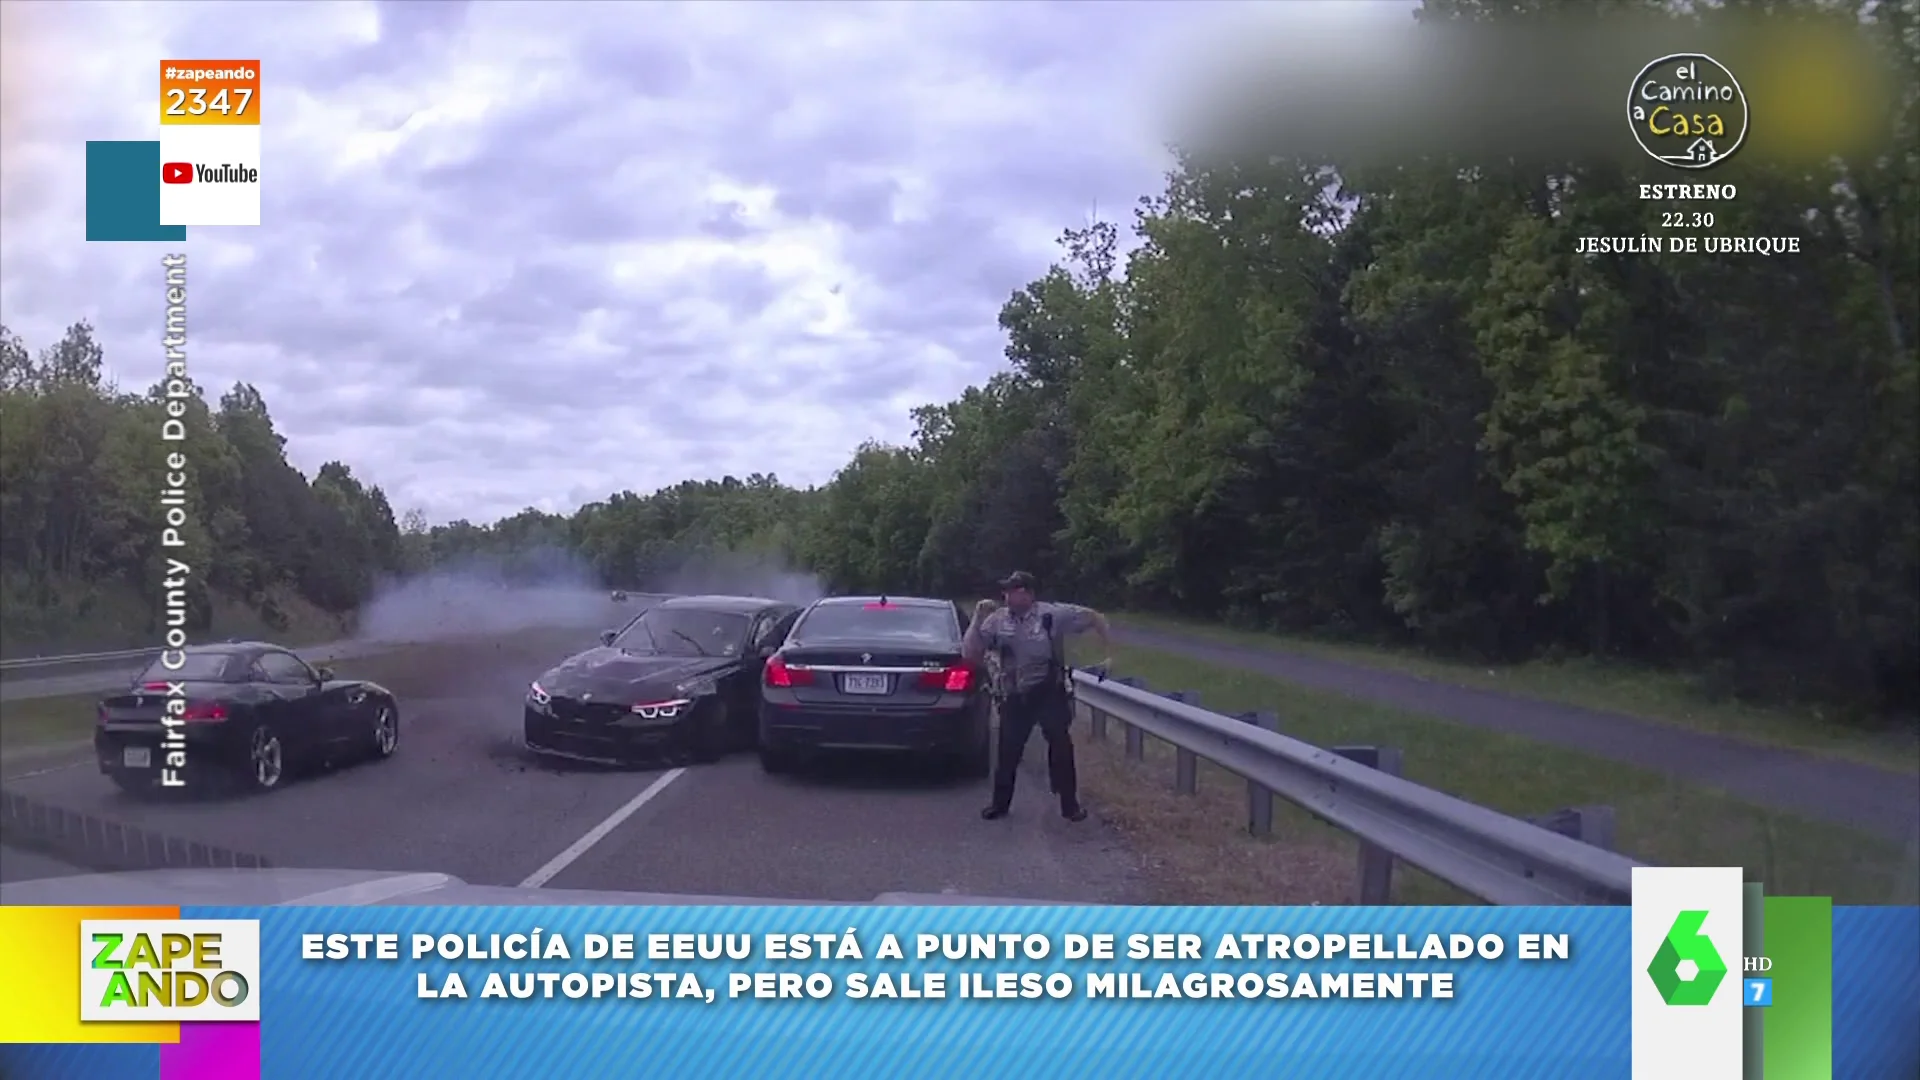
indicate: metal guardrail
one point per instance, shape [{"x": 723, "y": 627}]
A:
[
  {"x": 1497, "y": 858},
  {"x": 101, "y": 845},
  {"x": 29, "y": 663}
]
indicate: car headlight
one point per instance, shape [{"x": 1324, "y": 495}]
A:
[
  {"x": 538, "y": 695},
  {"x": 696, "y": 688},
  {"x": 660, "y": 710}
]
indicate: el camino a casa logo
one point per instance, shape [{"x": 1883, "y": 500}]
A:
[
  {"x": 169, "y": 970},
  {"x": 1688, "y": 111}
]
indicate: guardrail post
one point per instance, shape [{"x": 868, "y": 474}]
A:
[
  {"x": 1259, "y": 799},
  {"x": 1587, "y": 824},
  {"x": 1186, "y": 764},
  {"x": 1376, "y": 864},
  {"x": 1136, "y": 739}
]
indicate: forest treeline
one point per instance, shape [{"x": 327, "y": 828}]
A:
[{"x": 1388, "y": 404}]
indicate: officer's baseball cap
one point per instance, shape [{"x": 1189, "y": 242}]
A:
[{"x": 1019, "y": 579}]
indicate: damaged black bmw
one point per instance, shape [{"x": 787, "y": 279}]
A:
[{"x": 681, "y": 680}]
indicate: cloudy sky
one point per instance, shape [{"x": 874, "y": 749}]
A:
[{"x": 531, "y": 254}]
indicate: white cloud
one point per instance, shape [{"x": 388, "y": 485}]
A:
[{"x": 531, "y": 254}]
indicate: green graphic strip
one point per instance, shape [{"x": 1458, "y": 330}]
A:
[
  {"x": 1753, "y": 1022},
  {"x": 1799, "y": 1043}
]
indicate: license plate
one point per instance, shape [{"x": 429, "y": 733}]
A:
[
  {"x": 137, "y": 757},
  {"x": 864, "y": 684}
]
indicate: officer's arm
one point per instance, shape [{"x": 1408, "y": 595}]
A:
[{"x": 1085, "y": 620}]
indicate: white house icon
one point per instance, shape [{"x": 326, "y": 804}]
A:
[{"x": 1701, "y": 151}]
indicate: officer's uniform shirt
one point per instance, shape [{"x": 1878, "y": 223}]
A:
[{"x": 1022, "y": 646}]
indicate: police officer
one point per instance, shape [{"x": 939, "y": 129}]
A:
[{"x": 1029, "y": 639}]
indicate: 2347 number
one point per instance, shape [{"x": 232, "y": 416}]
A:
[{"x": 194, "y": 102}]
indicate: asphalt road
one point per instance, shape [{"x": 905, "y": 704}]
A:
[
  {"x": 1879, "y": 801},
  {"x": 460, "y": 797},
  {"x": 61, "y": 680}
]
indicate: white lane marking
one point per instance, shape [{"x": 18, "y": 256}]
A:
[
  {"x": 599, "y": 832},
  {"x": 45, "y": 771}
]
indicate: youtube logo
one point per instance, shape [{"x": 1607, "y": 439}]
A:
[{"x": 176, "y": 172}]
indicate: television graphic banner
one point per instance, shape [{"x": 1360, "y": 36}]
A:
[{"x": 900, "y": 992}]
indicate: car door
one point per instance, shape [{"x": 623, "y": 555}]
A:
[
  {"x": 300, "y": 717},
  {"x": 769, "y": 630}
]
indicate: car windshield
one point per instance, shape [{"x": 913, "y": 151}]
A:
[
  {"x": 916, "y": 623},
  {"x": 196, "y": 667},
  {"x": 685, "y": 632}
]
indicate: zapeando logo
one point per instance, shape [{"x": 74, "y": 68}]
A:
[{"x": 1683, "y": 947}]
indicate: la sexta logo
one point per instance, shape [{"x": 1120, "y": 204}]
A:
[{"x": 176, "y": 172}]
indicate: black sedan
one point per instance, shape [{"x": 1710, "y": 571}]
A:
[
  {"x": 245, "y": 714},
  {"x": 679, "y": 680},
  {"x": 875, "y": 673}
]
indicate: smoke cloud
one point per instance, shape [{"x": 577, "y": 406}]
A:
[
  {"x": 552, "y": 589},
  {"x": 740, "y": 574},
  {"x": 490, "y": 598}
]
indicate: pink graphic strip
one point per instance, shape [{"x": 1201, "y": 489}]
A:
[{"x": 212, "y": 1051}]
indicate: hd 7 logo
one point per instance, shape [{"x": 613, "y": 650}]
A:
[{"x": 1687, "y": 969}]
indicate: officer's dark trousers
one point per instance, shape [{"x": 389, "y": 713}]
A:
[{"x": 1048, "y": 708}]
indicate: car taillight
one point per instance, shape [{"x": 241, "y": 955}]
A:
[
  {"x": 779, "y": 674},
  {"x": 155, "y": 686},
  {"x": 953, "y": 680},
  {"x": 204, "y": 712}
]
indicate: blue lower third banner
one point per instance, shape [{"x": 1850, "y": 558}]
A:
[
  {"x": 957, "y": 992},
  {"x": 123, "y": 193}
]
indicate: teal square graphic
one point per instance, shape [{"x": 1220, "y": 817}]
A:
[{"x": 123, "y": 193}]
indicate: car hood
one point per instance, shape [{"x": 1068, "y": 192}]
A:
[
  {"x": 279, "y": 887},
  {"x": 611, "y": 673}
]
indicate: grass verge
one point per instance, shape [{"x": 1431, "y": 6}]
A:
[
  {"x": 1199, "y": 852},
  {"x": 48, "y": 721},
  {"x": 1630, "y": 690}
]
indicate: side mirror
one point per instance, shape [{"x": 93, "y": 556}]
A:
[
  {"x": 324, "y": 674},
  {"x": 607, "y": 636}
]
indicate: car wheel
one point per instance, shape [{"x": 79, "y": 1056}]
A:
[
  {"x": 386, "y": 731},
  {"x": 266, "y": 759}
]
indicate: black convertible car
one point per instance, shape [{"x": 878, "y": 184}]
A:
[
  {"x": 681, "y": 679},
  {"x": 875, "y": 673},
  {"x": 244, "y": 714}
]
